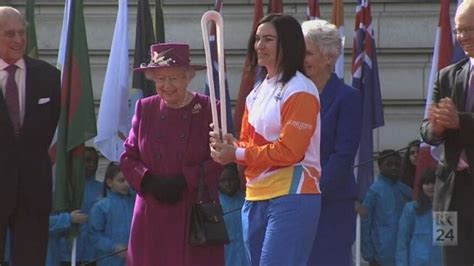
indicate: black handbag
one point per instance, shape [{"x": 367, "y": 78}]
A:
[{"x": 206, "y": 226}]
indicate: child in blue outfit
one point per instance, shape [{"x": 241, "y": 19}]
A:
[
  {"x": 92, "y": 193},
  {"x": 59, "y": 224},
  {"x": 384, "y": 203},
  {"x": 232, "y": 199},
  {"x": 415, "y": 231},
  {"x": 111, "y": 217}
]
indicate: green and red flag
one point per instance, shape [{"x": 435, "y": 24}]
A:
[
  {"x": 77, "y": 122},
  {"x": 31, "y": 44}
]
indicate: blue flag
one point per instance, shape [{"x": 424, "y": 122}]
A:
[{"x": 365, "y": 77}]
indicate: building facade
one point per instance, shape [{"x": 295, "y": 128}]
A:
[{"x": 404, "y": 34}]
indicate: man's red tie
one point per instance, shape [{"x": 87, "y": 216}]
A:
[{"x": 12, "y": 99}]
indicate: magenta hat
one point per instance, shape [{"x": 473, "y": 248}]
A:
[{"x": 169, "y": 55}]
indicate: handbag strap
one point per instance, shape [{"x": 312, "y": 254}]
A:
[{"x": 202, "y": 189}]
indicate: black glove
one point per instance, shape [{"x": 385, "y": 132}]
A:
[{"x": 164, "y": 189}]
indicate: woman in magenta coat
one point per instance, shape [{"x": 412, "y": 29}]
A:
[{"x": 165, "y": 151}]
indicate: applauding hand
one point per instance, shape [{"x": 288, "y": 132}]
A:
[
  {"x": 222, "y": 152},
  {"x": 443, "y": 115}
]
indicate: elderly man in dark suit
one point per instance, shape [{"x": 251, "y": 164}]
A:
[
  {"x": 29, "y": 112},
  {"x": 451, "y": 122}
]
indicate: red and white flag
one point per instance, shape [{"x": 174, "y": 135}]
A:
[
  {"x": 275, "y": 6},
  {"x": 312, "y": 11},
  {"x": 442, "y": 57}
]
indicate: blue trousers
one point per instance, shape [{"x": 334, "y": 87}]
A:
[{"x": 280, "y": 231}]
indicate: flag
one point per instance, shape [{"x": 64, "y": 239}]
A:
[
  {"x": 365, "y": 77},
  {"x": 275, "y": 6},
  {"x": 338, "y": 20},
  {"x": 31, "y": 44},
  {"x": 144, "y": 37},
  {"x": 442, "y": 57},
  {"x": 59, "y": 65},
  {"x": 248, "y": 76},
  {"x": 77, "y": 119},
  {"x": 113, "y": 121},
  {"x": 159, "y": 22},
  {"x": 218, "y": 4},
  {"x": 63, "y": 39},
  {"x": 312, "y": 11}
]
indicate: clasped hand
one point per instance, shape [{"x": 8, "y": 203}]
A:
[
  {"x": 222, "y": 151},
  {"x": 443, "y": 115},
  {"x": 78, "y": 217}
]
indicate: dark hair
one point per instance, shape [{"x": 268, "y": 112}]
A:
[
  {"x": 291, "y": 45},
  {"x": 386, "y": 154},
  {"x": 112, "y": 170},
  {"x": 408, "y": 171},
  {"x": 91, "y": 150},
  {"x": 424, "y": 203}
]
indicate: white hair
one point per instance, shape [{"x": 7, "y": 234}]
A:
[
  {"x": 189, "y": 72},
  {"x": 10, "y": 13},
  {"x": 464, "y": 6},
  {"x": 325, "y": 35}
]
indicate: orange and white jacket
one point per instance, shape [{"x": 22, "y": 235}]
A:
[{"x": 280, "y": 139}]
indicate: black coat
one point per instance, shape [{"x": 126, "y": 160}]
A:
[
  {"x": 25, "y": 167},
  {"x": 452, "y": 82}
]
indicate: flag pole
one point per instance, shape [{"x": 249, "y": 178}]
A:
[
  {"x": 73, "y": 252},
  {"x": 365, "y": 78},
  {"x": 357, "y": 262}
]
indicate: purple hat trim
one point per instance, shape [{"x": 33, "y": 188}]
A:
[{"x": 169, "y": 55}]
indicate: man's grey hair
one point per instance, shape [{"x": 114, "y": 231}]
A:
[
  {"x": 464, "y": 6},
  {"x": 10, "y": 13},
  {"x": 325, "y": 35}
]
